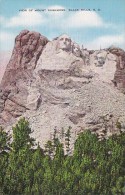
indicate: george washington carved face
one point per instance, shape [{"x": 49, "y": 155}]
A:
[{"x": 64, "y": 43}]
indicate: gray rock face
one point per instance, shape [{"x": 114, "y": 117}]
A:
[
  {"x": 18, "y": 75},
  {"x": 28, "y": 47},
  {"x": 4, "y": 59},
  {"x": 63, "y": 86},
  {"x": 119, "y": 77}
]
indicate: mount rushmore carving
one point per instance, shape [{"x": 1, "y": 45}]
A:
[{"x": 59, "y": 84}]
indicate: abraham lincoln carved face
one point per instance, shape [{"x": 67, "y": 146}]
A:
[{"x": 64, "y": 43}]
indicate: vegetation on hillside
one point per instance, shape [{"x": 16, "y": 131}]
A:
[{"x": 94, "y": 168}]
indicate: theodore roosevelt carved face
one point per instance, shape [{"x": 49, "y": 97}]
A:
[{"x": 64, "y": 43}]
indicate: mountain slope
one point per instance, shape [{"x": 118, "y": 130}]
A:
[{"x": 56, "y": 84}]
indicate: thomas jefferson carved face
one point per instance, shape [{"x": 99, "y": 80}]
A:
[
  {"x": 76, "y": 49},
  {"x": 64, "y": 43}
]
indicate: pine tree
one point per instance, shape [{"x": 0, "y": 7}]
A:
[
  {"x": 4, "y": 149},
  {"x": 49, "y": 149},
  {"x": 67, "y": 140},
  {"x": 21, "y": 135},
  {"x": 19, "y": 159},
  {"x": 4, "y": 141}
]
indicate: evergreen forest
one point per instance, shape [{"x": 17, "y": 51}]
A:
[{"x": 93, "y": 168}]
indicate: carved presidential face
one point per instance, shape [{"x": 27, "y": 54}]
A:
[
  {"x": 76, "y": 49},
  {"x": 64, "y": 42},
  {"x": 99, "y": 60}
]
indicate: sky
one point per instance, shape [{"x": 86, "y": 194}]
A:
[{"x": 94, "y": 24}]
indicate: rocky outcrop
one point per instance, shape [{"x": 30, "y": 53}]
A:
[
  {"x": 58, "y": 84},
  {"x": 4, "y": 59},
  {"x": 119, "y": 77},
  {"x": 27, "y": 50},
  {"x": 19, "y": 73}
]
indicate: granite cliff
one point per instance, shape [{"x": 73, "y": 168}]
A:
[{"x": 57, "y": 84}]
